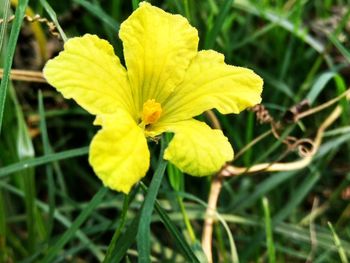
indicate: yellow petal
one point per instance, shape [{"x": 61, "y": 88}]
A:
[
  {"x": 197, "y": 149},
  {"x": 210, "y": 83},
  {"x": 89, "y": 72},
  {"x": 118, "y": 153},
  {"x": 158, "y": 48}
]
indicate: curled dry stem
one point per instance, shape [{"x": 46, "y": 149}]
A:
[
  {"x": 36, "y": 18},
  {"x": 231, "y": 170},
  {"x": 291, "y": 142}
]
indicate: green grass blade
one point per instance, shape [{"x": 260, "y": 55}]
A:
[
  {"x": 180, "y": 241},
  {"x": 83, "y": 216},
  {"x": 320, "y": 83},
  {"x": 302, "y": 190},
  {"x": 25, "y": 151},
  {"x": 231, "y": 241},
  {"x": 49, "y": 171},
  {"x": 343, "y": 50},
  {"x": 53, "y": 16},
  {"x": 268, "y": 230},
  {"x": 125, "y": 241},
  {"x": 299, "y": 31},
  {"x": 135, "y": 4},
  {"x": 10, "y": 51},
  {"x": 3, "y": 230},
  {"x": 4, "y": 13},
  {"x": 269, "y": 184},
  {"x": 59, "y": 217},
  {"x": 99, "y": 13},
  {"x": 337, "y": 242},
  {"x": 113, "y": 244},
  {"x": 143, "y": 237},
  {"x": 213, "y": 33},
  {"x": 4, "y": 171}
]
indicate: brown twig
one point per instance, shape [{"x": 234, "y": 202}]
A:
[
  {"x": 323, "y": 106},
  {"x": 37, "y": 18},
  {"x": 231, "y": 170},
  {"x": 207, "y": 235},
  {"x": 291, "y": 142},
  {"x": 25, "y": 75},
  {"x": 215, "y": 123}
]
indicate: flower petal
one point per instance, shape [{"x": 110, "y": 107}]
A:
[
  {"x": 210, "y": 83},
  {"x": 89, "y": 72},
  {"x": 118, "y": 153},
  {"x": 197, "y": 149},
  {"x": 158, "y": 48}
]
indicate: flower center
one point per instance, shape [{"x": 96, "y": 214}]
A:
[{"x": 151, "y": 112}]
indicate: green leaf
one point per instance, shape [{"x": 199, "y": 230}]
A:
[
  {"x": 99, "y": 13},
  {"x": 179, "y": 239},
  {"x": 124, "y": 242},
  {"x": 53, "y": 16},
  {"x": 143, "y": 237},
  {"x": 268, "y": 231},
  {"x": 49, "y": 171},
  {"x": 69, "y": 234},
  {"x": 113, "y": 244},
  {"x": 4, "y": 171},
  {"x": 10, "y": 51},
  {"x": 337, "y": 242},
  {"x": 213, "y": 33}
]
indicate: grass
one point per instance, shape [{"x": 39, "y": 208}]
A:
[{"x": 54, "y": 209}]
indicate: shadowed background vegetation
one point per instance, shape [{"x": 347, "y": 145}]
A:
[{"x": 54, "y": 209}]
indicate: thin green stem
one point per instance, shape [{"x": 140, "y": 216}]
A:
[
  {"x": 186, "y": 219},
  {"x": 119, "y": 229}
]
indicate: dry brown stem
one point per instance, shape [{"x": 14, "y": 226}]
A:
[
  {"x": 25, "y": 75},
  {"x": 291, "y": 142},
  {"x": 37, "y": 18}
]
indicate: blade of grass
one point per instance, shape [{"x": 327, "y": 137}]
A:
[
  {"x": 344, "y": 51},
  {"x": 60, "y": 218},
  {"x": 3, "y": 238},
  {"x": 215, "y": 30},
  {"x": 112, "y": 246},
  {"x": 49, "y": 171},
  {"x": 53, "y": 17},
  {"x": 320, "y": 83},
  {"x": 337, "y": 242},
  {"x": 4, "y": 171},
  {"x": 234, "y": 254},
  {"x": 68, "y": 235},
  {"x": 281, "y": 21},
  {"x": 99, "y": 13},
  {"x": 143, "y": 237},
  {"x": 5, "y": 15},
  {"x": 25, "y": 151},
  {"x": 10, "y": 51},
  {"x": 135, "y": 4},
  {"x": 302, "y": 190},
  {"x": 180, "y": 241},
  {"x": 125, "y": 241},
  {"x": 268, "y": 230}
]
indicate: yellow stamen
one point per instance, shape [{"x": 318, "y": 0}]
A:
[{"x": 151, "y": 112}]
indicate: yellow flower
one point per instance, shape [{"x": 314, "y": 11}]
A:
[{"x": 167, "y": 83}]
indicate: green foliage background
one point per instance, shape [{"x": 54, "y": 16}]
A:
[{"x": 53, "y": 208}]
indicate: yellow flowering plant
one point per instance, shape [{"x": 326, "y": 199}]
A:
[{"x": 166, "y": 83}]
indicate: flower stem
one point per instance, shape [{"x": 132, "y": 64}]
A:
[{"x": 118, "y": 231}]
